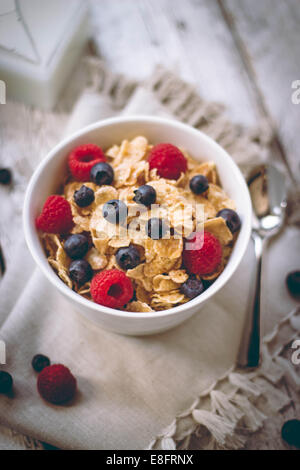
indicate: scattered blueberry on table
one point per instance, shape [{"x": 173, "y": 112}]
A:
[
  {"x": 6, "y": 382},
  {"x": 2, "y": 262},
  {"x": 290, "y": 432},
  {"x": 5, "y": 176},
  {"x": 293, "y": 283},
  {"x": 39, "y": 362}
]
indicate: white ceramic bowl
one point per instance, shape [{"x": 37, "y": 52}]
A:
[{"x": 49, "y": 174}]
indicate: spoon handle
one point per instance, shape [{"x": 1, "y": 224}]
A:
[{"x": 249, "y": 354}]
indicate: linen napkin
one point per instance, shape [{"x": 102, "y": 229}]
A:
[{"x": 149, "y": 391}]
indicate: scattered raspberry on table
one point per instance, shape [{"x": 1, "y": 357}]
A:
[{"x": 56, "y": 384}]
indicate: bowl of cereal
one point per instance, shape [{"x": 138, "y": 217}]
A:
[{"x": 138, "y": 221}]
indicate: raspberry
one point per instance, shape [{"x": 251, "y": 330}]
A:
[
  {"x": 83, "y": 158},
  {"x": 205, "y": 256},
  {"x": 56, "y": 216},
  {"x": 111, "y": 288},
  {"x": 56, "y": 384},
  {"x": 168, "y": 160}
]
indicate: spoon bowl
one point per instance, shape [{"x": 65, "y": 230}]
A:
[{"x": 268, "y": 194}]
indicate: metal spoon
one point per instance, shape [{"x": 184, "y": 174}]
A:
[{"x": 268, "y": 193}]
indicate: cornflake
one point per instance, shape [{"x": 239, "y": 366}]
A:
[
  {"x": 96, "y": 260},
  {"x": 137, "y": 306},
  {"x": 217, "y": 226},
  {"x": 57, "y": 257}
]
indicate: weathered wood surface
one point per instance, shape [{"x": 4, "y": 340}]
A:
[
  {"x": 189, "y": 37},
  {"x": 242, "y": 53},
  {"x": 267, "y": 36}
]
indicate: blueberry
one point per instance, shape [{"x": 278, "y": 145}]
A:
[
  {"x": 80, "y": 271},
  {"x": 145, "y": 195},
  {"x": 192, "y": 287},
  {"x": 5, "y": 176},
  {"x": 128, "y": 258},
  {"x": 199, "y": 184},
  {"x": 6, "y": 382},
  {"x": 84, "y": 196},
  {"x": 39, "y": 362},
  {"x": 76, "y": 246},
  {"x": 290, "y": 432},
  {"x": 102, "y": 173},
  {"x": 231, "y": 218},
  {"x": 156, "y": 228},
  {"x": 293, "y": 283},
  {"x": 115, "y": 211}
]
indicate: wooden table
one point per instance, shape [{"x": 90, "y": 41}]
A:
[{"x": 243, "y": 53}]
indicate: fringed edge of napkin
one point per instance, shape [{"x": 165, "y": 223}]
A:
[
  {"x": 224, "y": 415},
  {"x": 183, "y": 101},
  {"x": 19, "y": 441}
]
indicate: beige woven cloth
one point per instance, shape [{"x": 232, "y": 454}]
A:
[{"x": 135, "y": 393}]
